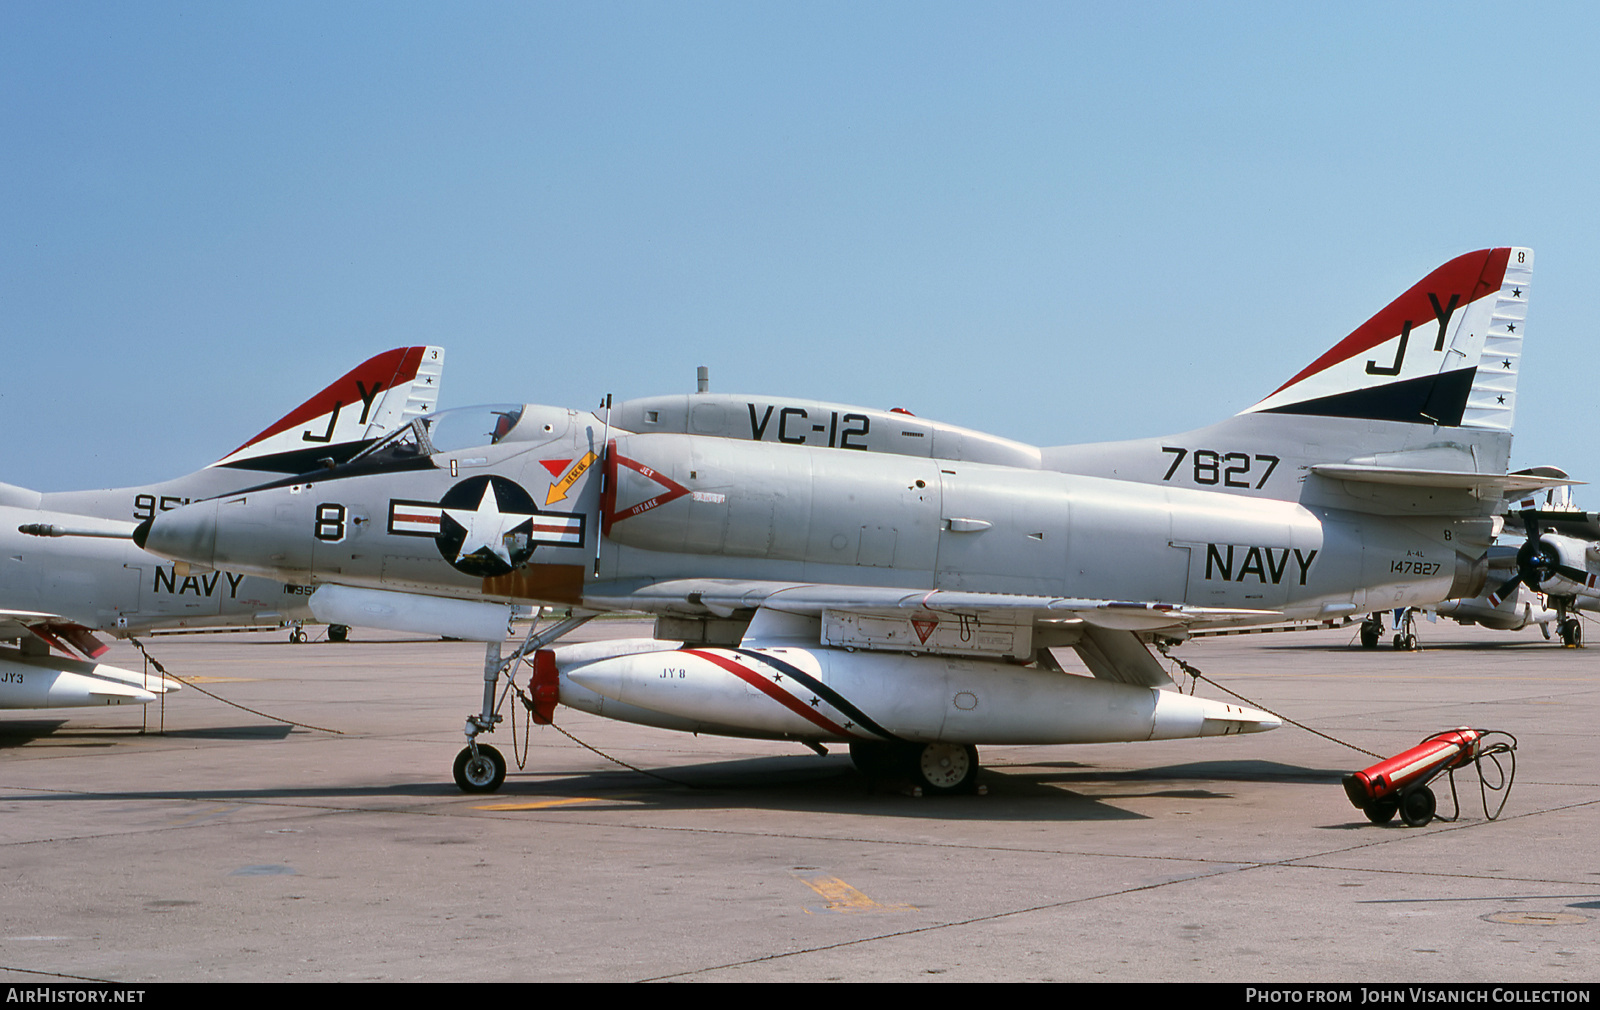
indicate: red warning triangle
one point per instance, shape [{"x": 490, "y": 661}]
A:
[
  {"x": 610, "y": 513},
  {"x": 555, "y": 466},
  {"x": 924, "y": 629}
]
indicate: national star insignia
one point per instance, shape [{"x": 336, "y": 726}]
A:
[
  {"x": 487, "y": 526},
  {"x": 1511, "y": 327},
  {"x": 1516, "y": 292},
  {"x": 1501, "y": 399},
  {"x": 1506, "y": 363}
]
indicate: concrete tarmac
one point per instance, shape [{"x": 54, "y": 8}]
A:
[{"x": 200, "y": 842}]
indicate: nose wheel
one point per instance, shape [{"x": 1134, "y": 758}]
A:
[{"x": 480, "y": 768}]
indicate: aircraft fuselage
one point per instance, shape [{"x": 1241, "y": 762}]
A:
[{"x": 516, "y": 521}]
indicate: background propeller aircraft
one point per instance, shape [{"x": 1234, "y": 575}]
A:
[
  {"x": 1553, "y": 576},
  {"x": 57, "y": 591},
  {"x": 829, "y": 573}
]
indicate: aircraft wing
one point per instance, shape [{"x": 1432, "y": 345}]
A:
[
  {"x": 725, "y": 597},
  {"x": 1106, "y": 634}
]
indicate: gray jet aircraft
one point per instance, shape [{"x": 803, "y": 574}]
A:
[
  {"x": 826, "y": 573},
  {"x": 59, "y": 592}
]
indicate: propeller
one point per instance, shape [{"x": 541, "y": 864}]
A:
[{"x": 1536, "y": 562}]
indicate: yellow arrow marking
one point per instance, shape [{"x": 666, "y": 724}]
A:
[{"x": 559, "y": 489}]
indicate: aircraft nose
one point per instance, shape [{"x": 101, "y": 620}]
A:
[{"x": 184, "y": 534}]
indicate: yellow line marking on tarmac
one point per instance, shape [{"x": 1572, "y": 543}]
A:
[
  {"x": 547, "y": 804},
  {"x": 840, "y": 896}
]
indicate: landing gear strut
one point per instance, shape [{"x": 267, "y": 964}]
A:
[{"x": 480, "y": 768}]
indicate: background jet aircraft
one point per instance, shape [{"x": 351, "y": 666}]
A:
[
  {"x": 897, "y": 584},
  {"x": 57, "y": 591}
]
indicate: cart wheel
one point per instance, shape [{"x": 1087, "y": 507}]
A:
[
  {"x": 1417, "y": 807},
  {"x": 1383, "y": 811}
]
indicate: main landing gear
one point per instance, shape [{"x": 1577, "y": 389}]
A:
[
  {"x": 937, "y": 768},
  {"x": 480, "y": 768},
  {"x": 1567, "y": 624},
  {"x": 1571, "y": 633},
  {"x": 1405, "y": 630}
]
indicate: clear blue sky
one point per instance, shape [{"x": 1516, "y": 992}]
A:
[{"x": 1058, "y": 222}]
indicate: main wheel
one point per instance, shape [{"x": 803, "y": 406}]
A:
[
  {"x": 1571, "y": 633},
  {"x": 871, "y": 758},
  {"x": 1383, "y": 811},
  {"x": 946, "y": 767},
  {"x": 338, "y": 632},
  {"x": 1417, "y": 807},
  {"x": 1371, "y": 631},
  {"x": 482, "y": 772}
]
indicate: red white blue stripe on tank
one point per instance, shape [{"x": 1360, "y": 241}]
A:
[{"x": 796, "y": 690}]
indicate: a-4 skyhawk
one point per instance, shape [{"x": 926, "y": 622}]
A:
[
  {"x": 828, "y": 573},
  {"x": 58, "y": 591}
]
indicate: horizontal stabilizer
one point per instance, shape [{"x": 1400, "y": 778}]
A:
[{"x": 1457, "y": 480}]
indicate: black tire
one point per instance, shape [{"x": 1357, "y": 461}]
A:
[
  {"x": 338, "y": 632},
  {"x": 1382, "y": 811},
  {"x": 1370, "y": 633},
  {"x": 1417, "y": 807},
  {"x": 945, "y": 768},
  {"x": 480, "y": 773},
  {"x": 872, "y": 758}
]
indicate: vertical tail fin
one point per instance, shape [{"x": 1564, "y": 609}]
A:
[
  {"x": 375, "y": 397},
  {"x": 1429, "y": 383},
  {"x": 1445, "y": 353}
]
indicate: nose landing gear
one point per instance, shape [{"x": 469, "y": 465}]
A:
[{"x": 480, "y": 768}]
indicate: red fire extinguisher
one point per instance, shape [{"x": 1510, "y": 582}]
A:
[{"x": 1400, "y": 784}]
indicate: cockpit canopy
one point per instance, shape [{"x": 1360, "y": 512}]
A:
[{"x": 444, "y": 431}]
